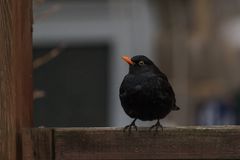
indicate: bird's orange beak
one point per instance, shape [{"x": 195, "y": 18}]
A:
[{"x": 127, "y": 59}]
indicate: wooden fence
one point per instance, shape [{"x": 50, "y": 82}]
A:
[{"x": 112, "y": 143}]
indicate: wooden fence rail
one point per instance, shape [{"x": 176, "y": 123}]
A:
[{"x": 112, "y": 143}]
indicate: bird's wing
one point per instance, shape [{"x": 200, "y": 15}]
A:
[
  {"x": 169, "y": 90},
  {"x": 163, "y": 89},
  {"x": 163, "y": 78}
]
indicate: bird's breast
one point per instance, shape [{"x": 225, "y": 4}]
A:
[{"x": 135, "y": 85}]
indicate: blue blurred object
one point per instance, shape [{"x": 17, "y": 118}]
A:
[{"x": 216, "y": 112}]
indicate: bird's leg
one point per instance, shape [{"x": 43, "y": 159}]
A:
[
  {"x": 156, "y": 126},
  {"x": 129, "y": 127}
]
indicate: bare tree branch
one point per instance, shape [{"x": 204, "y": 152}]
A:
[
  {"x": 47, "y": 57},
  {"x": 38, "y": 94}
]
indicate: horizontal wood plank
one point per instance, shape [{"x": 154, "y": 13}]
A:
[
  {"x": 181, "y": 142},
  {"x": 112, "y": 143}
]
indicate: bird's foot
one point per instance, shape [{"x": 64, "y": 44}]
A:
[
  {"x": 156, "y": 126},
  {"x": 130, "y": 126}
]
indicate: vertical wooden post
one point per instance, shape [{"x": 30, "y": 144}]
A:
[{"x": 15, "y": 74}]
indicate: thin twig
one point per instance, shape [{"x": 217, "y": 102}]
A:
[{"x": 47, "y": 57}]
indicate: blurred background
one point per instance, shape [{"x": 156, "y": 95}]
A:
[{"x": 78, "y": 69}]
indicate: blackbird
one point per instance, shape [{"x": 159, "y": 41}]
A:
[{"x": 145, "y": 92}]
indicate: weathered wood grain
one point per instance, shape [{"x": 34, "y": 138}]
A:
[
  {"x": 15, "y": 74},
  {"x": 37, "y": 144},
  {"x": 181, "y": 142}
]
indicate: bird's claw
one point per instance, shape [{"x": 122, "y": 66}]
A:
[
  {"x": 130, "y": 126},
  {"x": 156, "y": 126}
]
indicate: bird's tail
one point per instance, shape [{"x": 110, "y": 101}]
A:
[{"x": 175, "y": 108}]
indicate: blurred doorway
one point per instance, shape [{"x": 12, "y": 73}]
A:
[{"x": 74, "y": 85}]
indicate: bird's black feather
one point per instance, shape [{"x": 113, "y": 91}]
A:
[{"x": 145, "y": 92}]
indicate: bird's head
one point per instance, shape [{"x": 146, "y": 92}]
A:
[{"x": 139, "y": 64}]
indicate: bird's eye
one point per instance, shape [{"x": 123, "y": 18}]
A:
[{"x": 141, "y": 62}]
